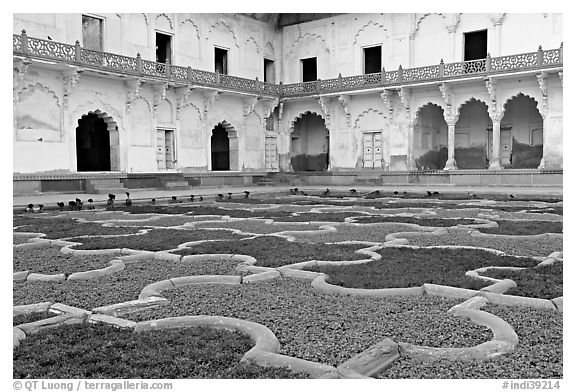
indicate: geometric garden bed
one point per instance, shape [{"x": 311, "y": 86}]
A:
[{"x": 287, "y": 296}]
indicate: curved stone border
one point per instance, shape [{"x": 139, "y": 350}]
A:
[{"x": 265, "y": 349}]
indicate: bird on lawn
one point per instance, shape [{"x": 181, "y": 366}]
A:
[
  {"x": 153, "y": 201},
  {"x": 90, "y": 206},
  {"x": 395, "y": 192},
  {"x": 429, "y": 193},
  {"x": 219, "y": 196},
  {"x": 353, "y": 191},
  {"x": 29, "y": 208},
  {"x": 79, "y": 204},
  {"x": 303, "y": 194},
  {"x": 175, "y": 200},
  {"x": 40, "y": 207},
  {"x": 246, "y": 194},
  {"x": 326, "y": 192},
  {"x": 191, "y": 197},
  {"x": 72, "y": 205},
  {"x": 229, "y": 195},
  {"x": 111, "y": 198},
  {"x": 292, "y": 192},
  {"x": 61, "y": 205},
  {"x": 201, "y": 198},
  {"x": 511, "y": 196},
  {"x": 435, "y": 193},
  {"x": 49, "y": 38},
  {"x": 128, "y": 200}
]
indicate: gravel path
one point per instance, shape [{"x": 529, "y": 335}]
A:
[
  {"x": 530, "y": 247},
  {"x": 119, "y": 287},
  {"x": 538, "y": 354},
  {"x": 324, "y": 328},
  {"x": 50, "y": 260}
]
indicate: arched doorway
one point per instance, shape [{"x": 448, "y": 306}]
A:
[
  {"x": 430, "y": 138},
  {"x": 310, "y": 141},
  {"x": 92, "y": 144},
  {"x": 522, "y": 127},
  {"x": 471, "y": 143},
  {"x": 220, "y": 148}
]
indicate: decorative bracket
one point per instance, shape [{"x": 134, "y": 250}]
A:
[
  {"x": 160, "y": 91},
  {"x": 405, "y": 95},
  {"x": 446, "y": 92},
  {"x": 387, "y": 98},
  {"x": 269, "y": 106},
  {"x": 248, "y": 107},
  {"x": 560, "y": 75},
  {"x": 495, "y": 113},
  {"x": 543, "y": 83},
  {"x": 345, "y": 103},
  {"x": 70, "y": 78},
  {"x": 325, "y": 106},
  {"x": 209, "y": 99},
  {"x": 133, "y": 87},
  {"x": 182, "y": 96},
  {"x": 21, "y": 66},
  {"x": 497, "y": 19}
]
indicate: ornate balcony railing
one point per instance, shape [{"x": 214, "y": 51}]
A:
[{"x": 76, "y": 55}]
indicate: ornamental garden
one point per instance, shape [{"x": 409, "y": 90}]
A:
[{"x": 315, "y": 284}]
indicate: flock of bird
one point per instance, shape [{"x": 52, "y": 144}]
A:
[{"x": 77, "y": 205}]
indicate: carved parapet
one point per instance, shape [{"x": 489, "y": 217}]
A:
[{"x": 345, "y": 103}]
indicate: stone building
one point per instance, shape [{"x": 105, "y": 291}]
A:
[{"x": 153, "y": 99}]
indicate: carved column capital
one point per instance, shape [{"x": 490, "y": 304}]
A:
[
  {"x": 560, "y": 75},
  {"x": 21, "y": 67},
  {"x": 446, "y": 92},
  {"x": 497, "y": 19},
  {"x": 543, "y": 84}
]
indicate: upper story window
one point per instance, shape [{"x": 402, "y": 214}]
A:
[
  {"x": 92, "y": 33},
  {"x": 309, "y": 69},
  {"x": 163, "y": 48},
  {"x": 268, "y": 71},
  {"x": 475, "y": 45},
  {"x": 221, "y": 60},
  {"x": 373, "y": 59}
]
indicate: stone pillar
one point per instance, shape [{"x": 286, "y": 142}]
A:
[
  {"x": 411, "y": 165},
  {"x": 495, "y": 158},
  {"x": 545, "y": 161},
  {"x": 451, "y": 162},
  {"x": 284, "y": 152},
  {"x": 452, "y": 44}
]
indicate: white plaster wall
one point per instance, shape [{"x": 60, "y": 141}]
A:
[
  {"x": 544, "y": 29},
  {"x": 252, "y": 142},
  {"x": 431, "y": 41}
]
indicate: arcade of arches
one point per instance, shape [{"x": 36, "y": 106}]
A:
[
  {"x": 520, "y": 145},
  {"x": 309, "y": 147}
]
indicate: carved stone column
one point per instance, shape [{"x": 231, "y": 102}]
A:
[
  {"x": 451, "y": 121},
  {"x": 410, "y": 163},
  {"x": 497, "y": 20},
  {"x": 544, "y": 112},
  {"x": 495, "y": 158}
]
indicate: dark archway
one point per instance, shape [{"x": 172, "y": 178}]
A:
[
  {"x": 310, "y": 143},
  {"x": 220, "y": 147},
  {"x": 92, "y": 144},
  {"x": 430, "y": 138}
]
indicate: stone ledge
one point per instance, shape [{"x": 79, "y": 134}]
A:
[
  {"x": 128, "y": 307},
  {"x": 51, "y": 322},
  {"x": 20, "y": 276},
  {"x": 46, "y": 278},
  {"x": 559, "y": 303},
  {"x": 373, "y": 360},
  {"x": 17, "y": 336},
  {"x": 320, "y": 283},
  {"x": 67, "y": 309},
  {"x": 32, "y": 308},
  {"x": 504, "y": 299},
  {"x": 262, "y": 276},
  {"x": 500, "y": 287},
  {"x": 109, "y": 320},
  {"x": 212, "y": 279},
  {"x": 448, "y": 291}
]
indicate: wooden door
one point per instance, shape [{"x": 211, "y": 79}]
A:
[
  {"x": 270, "y": 154},
  {"x": 161, "y": 149},
  {"x": 169, "y": 148},
  {"x": 372, "y": 142}
]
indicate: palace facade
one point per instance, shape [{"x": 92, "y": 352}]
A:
[{"x": 391, "y": 97}]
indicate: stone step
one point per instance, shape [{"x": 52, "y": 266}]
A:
[
  {"x": 104, "y": 186},
  {"x": 105, "y": 190},
  {"x": 176, "y": 185}
]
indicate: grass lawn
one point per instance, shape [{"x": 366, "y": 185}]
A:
[
  {"x": 155, "y": 240},
  {"x": 272, "y": 251},
  {"x": 100, "y": 351},
  {"x": 55, "y": 228},
  {"x": 523, "y": 227},
  {"x": 50, "y": 260},
  {"x": 31, "y": 317},
  {"x": 542, "y": 282},
  {"x": 405, "y": 267}
]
